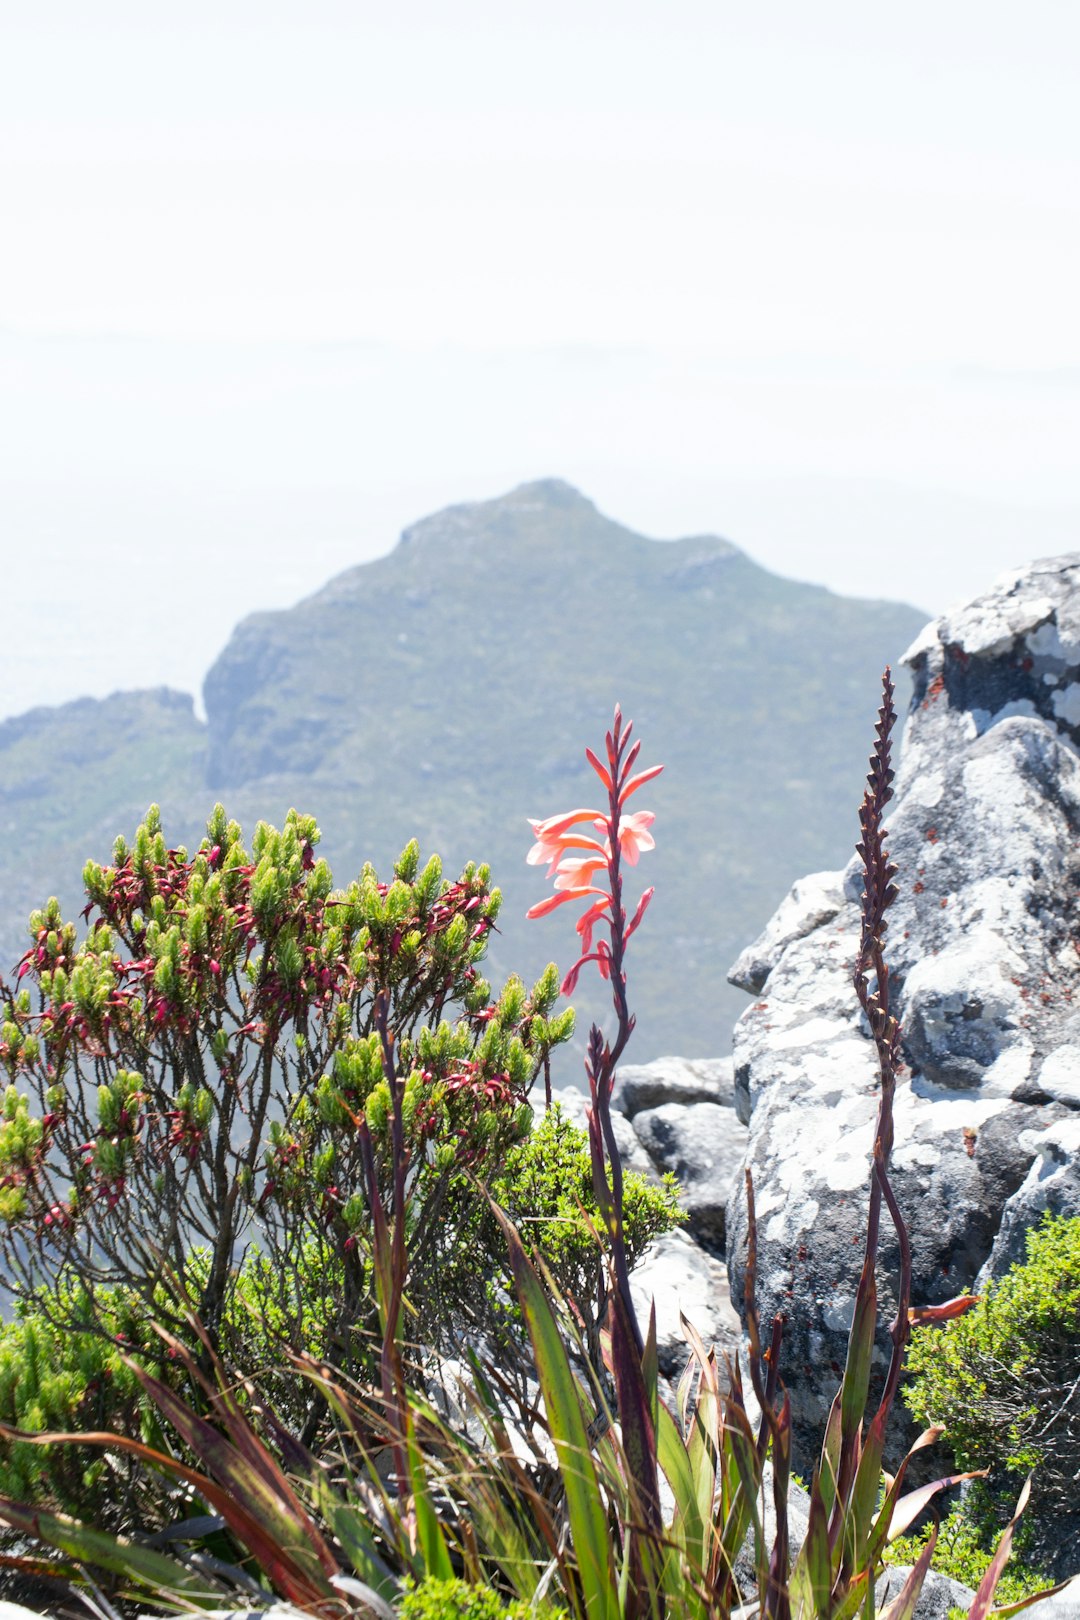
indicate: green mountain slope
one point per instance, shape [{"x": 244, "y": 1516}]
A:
[
  {"x": 71, "y": 778},
  {"x": 447, "y": 691}
]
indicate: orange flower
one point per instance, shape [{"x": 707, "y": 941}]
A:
[
  {"x": 633, "y": 835},
  {"x": 553, "y": 837},
  {"x": 577, "y": 859},
  {"x": 542, "y": 907}
]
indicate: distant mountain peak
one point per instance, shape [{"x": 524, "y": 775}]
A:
[
  {"x": 549, "y": 493},
  {"x": 470, "y": 519}
]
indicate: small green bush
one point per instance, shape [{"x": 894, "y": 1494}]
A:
[
  {"x": 54, "y": 1379},
  {"x": 453, "y": 1600},
  {"x": 965, "y": 1546},
  {"x": 546, "y": 1187},
  {"x": 1004, "y": 1379}
]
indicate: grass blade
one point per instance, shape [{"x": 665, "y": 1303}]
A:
[{"x": 566, "y": 1422}]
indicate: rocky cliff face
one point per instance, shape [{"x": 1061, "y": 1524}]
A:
[{"x": 984, "y": 946}]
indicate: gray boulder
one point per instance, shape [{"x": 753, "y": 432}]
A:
[
  {"x": 1052, "y": 1183},
  {"x": 672, "y": 1080},
  {"x": 702, "y": 1144},
  {"x": 982, "y": 945}
]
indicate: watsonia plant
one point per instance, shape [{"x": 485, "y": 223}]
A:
[{"x": 628, "y": 1565}]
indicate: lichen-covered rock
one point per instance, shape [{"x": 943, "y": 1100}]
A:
[
  {"x": 1052, "y": 1184},
  {"x": 813, "y": 901},
  {"x": 983, "y": 949}
]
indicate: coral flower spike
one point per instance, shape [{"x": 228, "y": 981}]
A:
[
  {"x": 596, "y": 876},
  {"x": 584, "y": 851}
]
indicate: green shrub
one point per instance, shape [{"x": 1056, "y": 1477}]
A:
[
  {"x": 204, "y": 1077},
  {"x": 965, "y": 1547},
  {"x": 1003, "y": 1379},
  {"x": 453, "y": 1600},
  {"x": 546, "y": 1188},
  {"x": 51, "y": 1379},
  {"x": 54, "y": 1379}
]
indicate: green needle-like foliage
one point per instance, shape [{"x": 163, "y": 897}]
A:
[{"x": 1003, "y": 1379}]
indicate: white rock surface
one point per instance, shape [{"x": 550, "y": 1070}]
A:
[
  {"x": 672, "y": 1080},
  {"x": 681, "y": 1277}
]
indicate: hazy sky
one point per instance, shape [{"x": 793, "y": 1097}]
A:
[{"x": 277, "y": 279}]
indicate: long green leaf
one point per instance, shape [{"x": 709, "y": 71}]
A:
[
  {"x": 433, "y": 1548},
  {"x": 354, "y": 1533},
  {"x": 703, "y": 1445},
  {"x": 864, "y": 1492},
  {"x": 566, "y": 1422},
  {"x": 856, "y": 1597},
  {"x": 984, "y": 1596},
  {"x": 829, "y": 1468},
  {"x": 264, "y": 1495},
  {"x": 1006, "y": 1610},
  {"x": 739, "y": 1501},
  {"x": 638, "y": 1431},
  {"x": 299, "y": 1580},
  {"x": 117, "y": 1554},
  {"x": 687, "y": 1525},
  {"x": 860, "y": 1353},
  {"x": 910, "y": 1507},
  {"x": 813, "y": 1575}
]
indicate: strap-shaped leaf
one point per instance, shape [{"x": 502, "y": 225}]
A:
[
  {"x": 566, "y": 1423},
  {"x": 829, "y": 1468},
  {"x": 864, "y": 1492},
  {"x": 813, "y": 1575},
  {"x": 903, "y": 1604},
  {"x": 270, "y": 1501},
  {"x": 687, "y": 1526},
  {"x": 81, "y": 1542},
  {"x": 859, "y": 1357},
  {"x": 984, "y": 1596},
  {"x": 433, "y": 1548},
  {"x": 295, "y": 1570},
  {"x": 353, "y": 1531}
]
